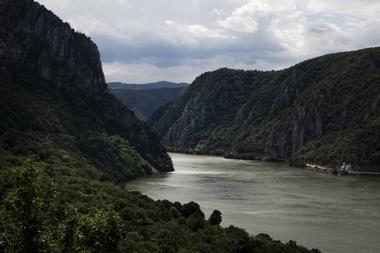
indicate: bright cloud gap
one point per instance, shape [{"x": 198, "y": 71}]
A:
[{"x": 140, "y": 41}]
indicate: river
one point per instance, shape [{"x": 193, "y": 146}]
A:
[{"x": 336, "y": 214}]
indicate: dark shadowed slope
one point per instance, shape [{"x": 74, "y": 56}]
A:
[
  {"x": 325, "y": 110},
  {"x": 55, "y": 103}
]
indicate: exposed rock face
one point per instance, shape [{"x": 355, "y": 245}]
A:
[
  {"x": 35, "y": 42},
  {"x": 32, "y": 35},
  {"x": 321, "y": 110}
]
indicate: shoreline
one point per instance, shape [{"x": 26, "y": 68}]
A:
[{"x": 307, "y": 166}]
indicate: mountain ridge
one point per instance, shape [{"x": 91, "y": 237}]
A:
[
  {"x": 146, "y": 100},
  {"x": 146, "y": 86},
  {"x": 297, "y": 114}
]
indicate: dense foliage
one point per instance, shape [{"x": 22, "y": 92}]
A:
[
  {"x": 37, "y": 119},
  {"x": 70, "y": 213},
  {"x": 325, "y": 110}
]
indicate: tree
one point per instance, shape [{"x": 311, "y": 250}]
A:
[
  {"x": 29, "y": 202},
  {"x": 215, "y": 218},
  {"x": 195, "y": 222},
  {"x": 100, "y": 232},
  {"x": 191, "y": 208},
  {"x": 69, "y": 234}
]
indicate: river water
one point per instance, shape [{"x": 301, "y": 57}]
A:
[{"x": 336, "y": 214}]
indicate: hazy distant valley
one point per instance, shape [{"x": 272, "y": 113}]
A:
[{"x": 145, "y": 99}]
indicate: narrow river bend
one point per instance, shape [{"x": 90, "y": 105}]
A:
[{"x": 336, "y": 214}]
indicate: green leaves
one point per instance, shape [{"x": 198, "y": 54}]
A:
[
  {"x": 28, "y": 205},
  {"x": 100, "y": 232}
]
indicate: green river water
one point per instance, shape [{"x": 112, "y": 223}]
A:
[{"x": 336, "y": 214}]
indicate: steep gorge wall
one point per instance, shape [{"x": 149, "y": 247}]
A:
[
  {"x": 322, "y": 110},
  {"x": 61, "y": 65}
]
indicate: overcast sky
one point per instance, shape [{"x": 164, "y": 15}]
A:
[{"x": 176, "y": 40}]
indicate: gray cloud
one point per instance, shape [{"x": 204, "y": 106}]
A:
[{"x": 144, "y": 40}]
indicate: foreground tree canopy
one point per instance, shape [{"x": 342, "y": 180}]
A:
[{"x": 40, "y": 213}]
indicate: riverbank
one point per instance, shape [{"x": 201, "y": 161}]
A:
[
  {"x": 318, "y": 210},
  {"x": 251, "y": 157},
  {"x": 247, "y": 157},
  {"x": 324, "y": 169},
  {"x": 318, "y": 168}
]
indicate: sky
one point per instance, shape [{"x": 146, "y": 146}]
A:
[{"x": 177, "y": 40}]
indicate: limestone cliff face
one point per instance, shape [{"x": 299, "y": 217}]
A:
[
  {"x": 32, "y": 35},
  {"x": 34, "y": 41},
  {"x": 321, "y": 110}
]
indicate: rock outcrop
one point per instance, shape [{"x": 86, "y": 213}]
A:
[
  {"x": 44, "y": 61},
  {"x": 323, "y": 110}
]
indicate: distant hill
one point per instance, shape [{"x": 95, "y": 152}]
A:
[
  {"x": 325, "y": 110},
  {"x": 145, "y": 99},
  {"x": 146, "y": 86}
]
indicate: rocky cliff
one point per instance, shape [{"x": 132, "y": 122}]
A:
[
  {"x": 53, "y": 91},
  {"x": 324, "y": 110}
]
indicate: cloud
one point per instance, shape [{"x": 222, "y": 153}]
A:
[
  {"x": 133, "y": 72},
  {"x": 244, "y": 19},
  {"x": 144, "y": 40}
]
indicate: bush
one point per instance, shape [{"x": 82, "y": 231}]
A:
[
  {"x": 191, "y": 208},
  {"x": 215, "y": 218}
]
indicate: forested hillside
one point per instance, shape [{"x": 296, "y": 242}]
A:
[{"x": 325, "y": 110}]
